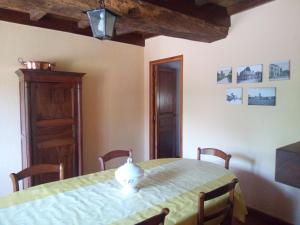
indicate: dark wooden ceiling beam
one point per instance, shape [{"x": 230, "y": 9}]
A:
[
  {"x": 207, "y": 22},
  {"x": 36, "y": 15},
  {"x": 245, "y": 5},
  {"x": 135, "y": 37},
  {"x": 215, "y": 14},
  {"x": 83, "y": 24},
  {"x": 73, "y": 14},
  {"x": 52, "y": 22},
  {"x": 47, "y": 21},
  {"x": 139, "y": 16},
  {"x": 121, "y": 28},
  {"x": 146, "y": 17},
  {"x": 211, "y": 13},
  {"x": 224, "y": 3},
  {"x": 201, "y": 2}
]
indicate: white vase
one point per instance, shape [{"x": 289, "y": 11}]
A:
[{"x": 129, "y": 175}]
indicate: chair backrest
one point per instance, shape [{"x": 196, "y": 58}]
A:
[
  {"x": 226, "y": 211},
  {"x": 36, "y": 170},
  {"x": 216, "y": 152},
  {"x": 112, "y": 155},
  {"x": 158, "y": 219}
]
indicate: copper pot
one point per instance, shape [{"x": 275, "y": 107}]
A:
[{"x": 36, "y": 65}]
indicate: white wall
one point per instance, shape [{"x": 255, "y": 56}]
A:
[
  {"x": 251, "y": 133},
  {"x": 112, "y": 91}
]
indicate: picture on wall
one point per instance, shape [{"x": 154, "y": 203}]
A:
[
  {"x": 279, "y": 70},
  {"x": 224, "y": 75},
  {"x": 262, "y": 96},
  {"x": 249, "y": 74},
  {"x": 234, "y": 96}
]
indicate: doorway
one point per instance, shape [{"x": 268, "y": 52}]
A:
[{"x": 166, "y": 78}]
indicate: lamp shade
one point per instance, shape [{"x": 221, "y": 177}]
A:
[{"x": 102, "y": 22}]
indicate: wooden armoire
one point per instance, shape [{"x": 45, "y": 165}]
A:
[{"x": 51, "y": 123}]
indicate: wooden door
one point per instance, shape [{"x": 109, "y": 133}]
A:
[
  {"x": 53, "y": 115},
  {"x": 166, "y": 86}
]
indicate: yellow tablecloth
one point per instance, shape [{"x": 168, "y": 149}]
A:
[{"x": 96, "y": 199}]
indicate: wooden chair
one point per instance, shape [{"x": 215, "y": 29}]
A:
[
  {"x": 215, "y": 152},
  {"x": 112, "y": 155},
  {"x": 36, "y": 170},
  {"x": 226, "y": 211},
  {"x": 157, "y": 219}
]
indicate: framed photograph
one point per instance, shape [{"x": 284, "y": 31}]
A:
[
  {"x": 234, "y": 96},
  {"x": 224, "y": 75},
  {"x": 249, "y": 74},
  {"x": 262, "y": 96},
  {"x": 279, "y": 70}
]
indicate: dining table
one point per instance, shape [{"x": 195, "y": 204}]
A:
[{"x": 97, "y": 199}]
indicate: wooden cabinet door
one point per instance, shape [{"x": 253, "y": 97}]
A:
[{"x": 54, "y": 118}]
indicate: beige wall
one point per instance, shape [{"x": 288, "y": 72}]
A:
[
  {"x": 116, "y": 96},
  {"x": 112, "y": 91},
  {"x": 250, "y": 133}
]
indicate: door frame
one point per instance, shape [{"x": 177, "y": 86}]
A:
[{"x": 152, "y": 101}]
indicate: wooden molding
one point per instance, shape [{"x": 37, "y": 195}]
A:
[{"x": 152, "y": 107}]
